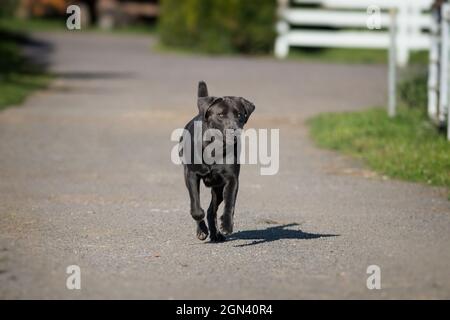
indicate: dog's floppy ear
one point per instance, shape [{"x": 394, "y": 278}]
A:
[
  {"x": 248, "y": 107},
  {"x": 204, "y": 103}
]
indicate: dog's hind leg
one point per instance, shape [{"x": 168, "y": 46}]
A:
[
  {"x": 216, "y": 200},
  {"x": 193, "y": 185}
]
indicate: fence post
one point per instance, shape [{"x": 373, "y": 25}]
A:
[
  {"x": 433, "y": 69},
  {"x": 444, "y": 65},
  {"x": 392, "y": 100},
  {"x": 281, "y": 42},
  {"x": 445, "y": 111},
  {"x": 403, "y": 25}
]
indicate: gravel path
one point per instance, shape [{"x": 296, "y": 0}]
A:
[{"x": 86, "y": 179}]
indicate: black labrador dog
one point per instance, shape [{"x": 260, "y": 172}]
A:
[{"x": 223, "y": 114}]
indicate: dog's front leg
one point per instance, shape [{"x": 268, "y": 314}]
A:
[
  {"x": 229, "y": 195},
  {"x": 193, "y": 184},
  {"x": 216, "y": 200}
]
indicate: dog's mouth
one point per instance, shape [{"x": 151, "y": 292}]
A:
[
  {"x": 232, "y": 139},
  {"x": 229, "y": 136}
]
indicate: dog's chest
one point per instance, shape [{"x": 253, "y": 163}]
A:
[{"x": 212, "y": 179}]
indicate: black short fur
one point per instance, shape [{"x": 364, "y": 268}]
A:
[{"x": 220, "y": 113}]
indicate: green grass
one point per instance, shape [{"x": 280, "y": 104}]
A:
[
  {"x": 341, "y": 55},
  {"x": 407, "y": 147},
  {"x": 20, "y": 25},
  {"x": 18, "y": 77},
  {"x": 16, "y": 87}
]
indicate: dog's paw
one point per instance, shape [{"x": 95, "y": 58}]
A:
[
  {"x": 217, "y": 237},
  {"x": 202, "y": 230},
  {"x": 226, "y": 226}
]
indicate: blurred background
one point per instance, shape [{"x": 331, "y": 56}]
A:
[{"x": 306, "y": 30}]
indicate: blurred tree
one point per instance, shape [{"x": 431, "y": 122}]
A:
[
  {"x": 8, "y": 8},
  {"x": 28, "y": 8},
  {"x": 219, "y": 26}
]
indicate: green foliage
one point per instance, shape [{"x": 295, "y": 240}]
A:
[
  {"x": 219, "y": 26},
  {"x": 8, "y": 8},
  {"x": 406, "y": 147},
  {"x": 413, "y": 91}
]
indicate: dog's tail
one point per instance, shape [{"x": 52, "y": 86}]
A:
[{"x": 202, "y": 89}]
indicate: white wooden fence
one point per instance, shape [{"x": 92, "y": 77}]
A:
[
  {"x": 302, "y": 25},
  {"x": 439, "y": 68}
]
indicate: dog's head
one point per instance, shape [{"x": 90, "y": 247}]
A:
[{"x": 223, "y": 113}]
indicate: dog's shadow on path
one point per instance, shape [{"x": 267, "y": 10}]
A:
[{"x": 273, "y": 234}]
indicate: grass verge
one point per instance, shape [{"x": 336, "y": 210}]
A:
[
  {"x": 351, "y": 56},
  {"x": 407, "y": 147}
]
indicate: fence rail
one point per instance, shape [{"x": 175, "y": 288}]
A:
[{"x": 296, "y": 25}]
